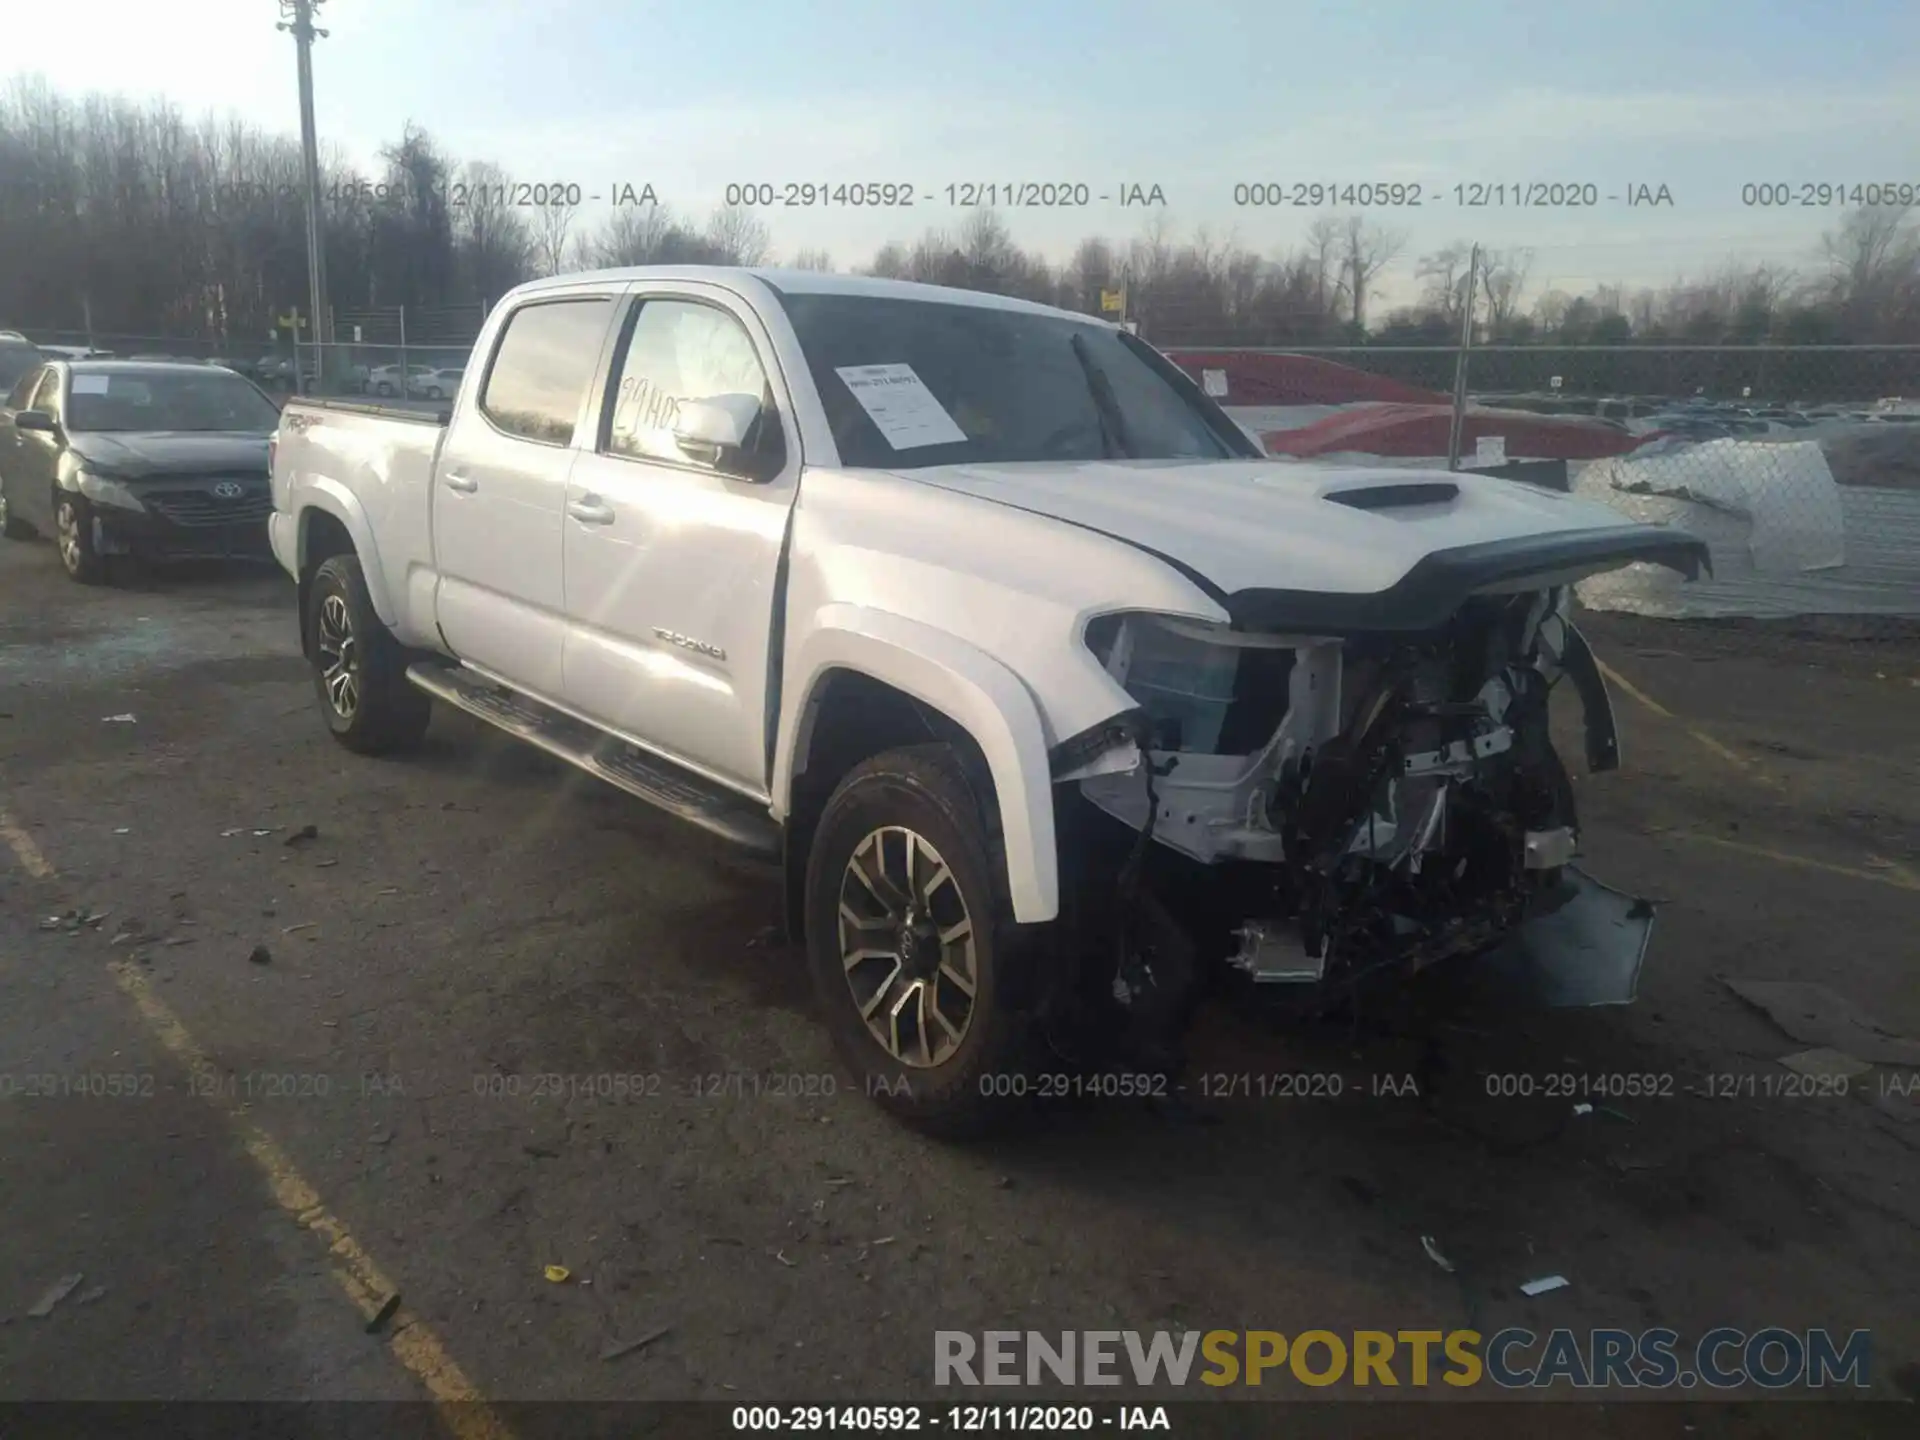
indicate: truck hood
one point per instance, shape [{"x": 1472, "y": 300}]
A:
[
  {"x": 142, "y": 454},
  {"x": 1331, "y": 550}
]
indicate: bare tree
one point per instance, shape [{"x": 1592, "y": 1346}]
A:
[
  {"x": 492, "y": 243},
  {"x": 553, "y": 236},
  {"x": 812, "y": 259},
  {"x": 152, "y": 224},
  {"x": 634, "y": 235},
  {"x": 1503, "y": 283},
  {"x": 1365, "y": 250},
  {"x": 1319, "y": 256},
  {"x": 1444, "y": 277},
  {"x": 1873, "y": 262},
  {"x": 889, "y": 261},
  {"x": 738, "y": 237}
]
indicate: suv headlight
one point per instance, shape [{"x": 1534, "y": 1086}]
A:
[{"x": 103, "y": 490}]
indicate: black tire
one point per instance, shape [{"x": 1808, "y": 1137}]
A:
[
  {"x": 378, "y": 711},
  {"x": 980, "y": 1083},
  {"x": 73, "y": 538},
  {"x": 11, "y": 525}
]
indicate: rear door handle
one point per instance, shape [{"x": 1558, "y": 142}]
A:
[
  {"x": 465, "y": 484},
  {"x": 589, "y": 511}
]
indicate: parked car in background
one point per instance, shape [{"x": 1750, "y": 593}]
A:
[
  {"x": 17, "y": 357},
  {"x": 160, "y": 460},
  {"x": 441, "y": 384},
  {"x": 385, "y": 379},
  {"x": 977, "y": 616}
]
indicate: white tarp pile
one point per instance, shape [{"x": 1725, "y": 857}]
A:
[{"x": 1785, "y": 539}]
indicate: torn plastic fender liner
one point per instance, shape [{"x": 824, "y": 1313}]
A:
[
  {"x": 1429, "y": 593},
  {"x": 1603, "y": 736}
]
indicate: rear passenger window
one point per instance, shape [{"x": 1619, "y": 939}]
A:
[{"x": 543, "y": 367}]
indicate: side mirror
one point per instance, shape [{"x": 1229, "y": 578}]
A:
[
  {"x": 707, "y": 429},
  {"x": 35, "y": 420}
]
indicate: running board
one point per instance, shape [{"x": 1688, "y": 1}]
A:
[{"x": 606, "y": 757}]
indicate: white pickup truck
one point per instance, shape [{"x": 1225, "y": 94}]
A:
[{"x": 1056, "y": 700}]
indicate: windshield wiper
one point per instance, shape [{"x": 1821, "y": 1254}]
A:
[{"x": 1113, "y": 426}]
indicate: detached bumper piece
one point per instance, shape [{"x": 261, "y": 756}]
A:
[
  {"x": 188, "y": 523},
  {"x": 1587, "y": 951}
]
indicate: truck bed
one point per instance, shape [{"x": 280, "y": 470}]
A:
[{"x": 417, "y": 412}]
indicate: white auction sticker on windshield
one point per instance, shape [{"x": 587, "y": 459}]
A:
[
  {"x": 90, "y": 384},
  {"x": 900, "y": 406}
]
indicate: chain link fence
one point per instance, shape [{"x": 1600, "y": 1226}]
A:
[{"x": 1799, "y": 466}]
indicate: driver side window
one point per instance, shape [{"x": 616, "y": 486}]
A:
[
  {"x": 47, "y": 397},
  {"x": 677, "y": 351},
  {"x": 18, "y": 399}
]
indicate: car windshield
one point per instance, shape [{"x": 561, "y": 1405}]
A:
[
  {"x": 913, "y": 383},
  {"x": 167, "y": 400}
]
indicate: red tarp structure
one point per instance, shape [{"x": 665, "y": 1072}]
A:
[
  {"x": 1406, "y": 431},
  {"x": 1260, "y": 379}
]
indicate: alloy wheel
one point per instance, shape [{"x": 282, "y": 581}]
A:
[
  {"x": 339, "y": 656},
  {"x": 67, "y": 522},
  {"x": 907, "y": 946}
]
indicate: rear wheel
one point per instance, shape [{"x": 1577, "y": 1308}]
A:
[
  {"x": 921, "y": 973},
  {"x": 359, "y": 669},
  {"x": 73, "y": 531}
]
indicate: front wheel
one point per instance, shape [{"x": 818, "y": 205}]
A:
[
  {"x": 920, "y": 972},
  {"x": 359, "y": 669},
  {"x": 73, "y": 531}
]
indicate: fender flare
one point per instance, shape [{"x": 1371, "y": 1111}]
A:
[
  {"x": 977, "y": 692},
  {"x": 335, "y": 499}
]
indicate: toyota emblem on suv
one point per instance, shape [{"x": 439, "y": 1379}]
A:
[{"x": 228, "y": 490}]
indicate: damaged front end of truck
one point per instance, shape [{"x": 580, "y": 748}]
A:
[{"x": 1330, "y": 791}]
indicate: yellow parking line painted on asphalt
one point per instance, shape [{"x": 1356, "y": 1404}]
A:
[
  {"x": 1733, "y": 758},
  {"x": 462, "y": 1409},
  {"x": 1620, "y": 682},
  {"x": 24, "y": 849},
  {"x": 1895, "y": 875}
]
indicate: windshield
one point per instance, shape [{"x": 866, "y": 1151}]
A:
[
  {"x": 913, "y": 383},
  {"x": 167, "y": 400}
]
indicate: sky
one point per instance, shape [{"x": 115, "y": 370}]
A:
[{"x": 1196, "y": 97}]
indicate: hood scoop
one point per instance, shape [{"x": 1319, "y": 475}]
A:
[{"x": 1395, "y": 497}]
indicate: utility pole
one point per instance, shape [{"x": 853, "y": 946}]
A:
[
  {"x": 297, "y": 17},
  {"x": 1458, "y": 429}
]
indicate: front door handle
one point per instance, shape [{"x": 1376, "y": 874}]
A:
[
  {"x": 589, "y": 511},
  {"x": 465, "y": 484}
]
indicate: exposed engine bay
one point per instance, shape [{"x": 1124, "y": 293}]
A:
[{"x": 1315, "y": 810}]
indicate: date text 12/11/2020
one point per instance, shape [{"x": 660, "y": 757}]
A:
[
  {"x": 966, "y": 195},
  {"x": 1472, "y": 195}
]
